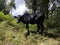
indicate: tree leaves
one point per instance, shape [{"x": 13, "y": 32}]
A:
[{"x": 7, "y": 7}]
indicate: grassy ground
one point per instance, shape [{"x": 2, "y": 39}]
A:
[{"x": 15, "y": 35}]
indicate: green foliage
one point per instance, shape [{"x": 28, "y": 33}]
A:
[
  {"x": 11, "y": 5},
  {"x": 2, "y": 33},
  {"x": 34, "y": 4},
  {"x": 9, "y": 21},
  {"x": 6, "y": 6},
  {"x": 3, "y": 6},
  {"x": 4, "y": 17}
]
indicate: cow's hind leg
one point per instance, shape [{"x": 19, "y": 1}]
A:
[
  {"x": 42, "y": 28},
  {"x": 28, "y": 32},
  {"x": 38, "y": 27}
]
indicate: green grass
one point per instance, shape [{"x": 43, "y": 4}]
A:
[{"x": 14, "y": 34}]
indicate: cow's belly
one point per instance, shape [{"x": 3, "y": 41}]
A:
[
  {"x": 29, "y": 22},
  {"x": 32, "y": 22}
]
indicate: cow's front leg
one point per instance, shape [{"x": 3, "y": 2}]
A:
[
  {"x": 38, "y": 27},
  {"x": 28, "y": 32},
  {"x": 42, "y": 28}
]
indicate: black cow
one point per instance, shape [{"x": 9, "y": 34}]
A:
[{"x": 32, "y": 19}]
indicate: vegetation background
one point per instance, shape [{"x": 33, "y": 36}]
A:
[{"x": 12, "y": 33}]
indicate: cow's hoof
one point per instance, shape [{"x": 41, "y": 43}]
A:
[
  {"x": 27, "y": 34},
  {"x": 41, "y": 33}
]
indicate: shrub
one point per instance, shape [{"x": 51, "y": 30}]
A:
[
  {"x": 2, "y": 17},
  {"x": 5, "y": 17}
]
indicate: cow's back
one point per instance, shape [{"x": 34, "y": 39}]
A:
[{"x": 26, "y": 18}]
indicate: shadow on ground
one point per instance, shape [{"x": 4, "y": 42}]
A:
[
  {"x": 52, "y": 35},
  {"x": 46, "y": 34}
]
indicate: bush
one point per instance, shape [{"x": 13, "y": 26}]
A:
[
  {"x": 10, "y": 21},
  {"x": 5, "y": 17},
  {"x": 2, "y": 17}
]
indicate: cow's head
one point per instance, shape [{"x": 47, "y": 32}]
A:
[{"x": 19, "y": 18}]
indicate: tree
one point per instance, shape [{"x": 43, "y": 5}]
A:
[
  {"x": 6, "y": 7},
  {"x": 12, "y": 5},
  {"x": 31, "y": 4},
  {"x": 34, "y": 4},
  {"x": 2, "y": 5}
]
